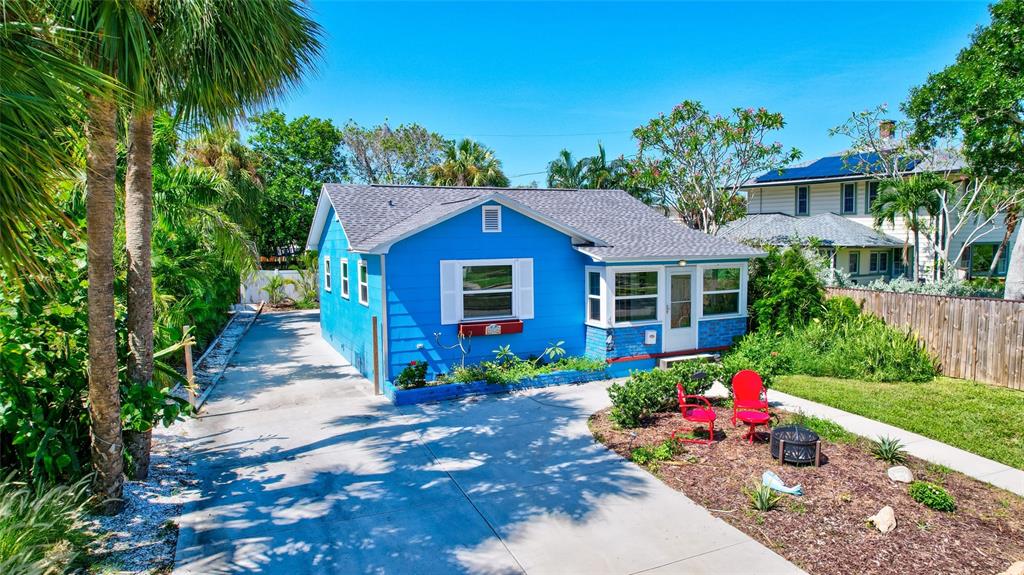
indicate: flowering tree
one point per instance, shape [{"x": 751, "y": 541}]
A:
[{"x": 696, "y": 161}]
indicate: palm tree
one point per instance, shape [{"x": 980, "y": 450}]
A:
[
  {"x": 565, "y": 172},
  {"x": 602, "y": 175},
  {"x": 468, "y": 163},
  {"x": 210, "y": 69},
  {"x": 46, "y": 89},
  {"x": 907, "y": 199},
  {"x": 120, "y": 44}
]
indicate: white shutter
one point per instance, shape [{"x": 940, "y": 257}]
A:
[
  {"x": 449, "y": 292},
  {"x": 524, "y": 288}
]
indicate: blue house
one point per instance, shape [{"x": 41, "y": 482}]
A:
[{"x": 413, "y": 266}]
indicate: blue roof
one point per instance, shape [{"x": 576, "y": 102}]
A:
[{"x": 827, "y": 167}]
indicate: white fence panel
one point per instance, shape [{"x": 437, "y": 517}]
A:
[{"x": 251, "y": 290}]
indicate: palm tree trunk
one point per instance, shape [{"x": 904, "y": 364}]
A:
[
  {"x": 138, "y": 224},
  {"x": 104, "y": 394},
  {"x": 1015, "y": 272},
  {"x": 917, "y": 250}
]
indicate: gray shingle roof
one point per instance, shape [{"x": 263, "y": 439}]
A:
[
  {"x": 783, "y": 229},
  {"x": 617, "y": 225}
]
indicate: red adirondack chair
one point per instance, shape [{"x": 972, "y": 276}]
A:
[
  {"x": 696, "y": 409},
  {"x": 748, "y": 393}
]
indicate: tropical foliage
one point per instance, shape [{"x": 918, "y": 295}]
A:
[
  {"x": 978, "y": 99},
  {"x": 385, "y": 155},
  {"x": 40, "y": 527},
  {"x": 295, "y": 158},
  {"x": 593, "y": 172},
  {"x": 468, "y": 163},
  {"x": 914, "y": 199}
]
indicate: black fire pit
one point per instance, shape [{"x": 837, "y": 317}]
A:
[{"x": 795, "y": 444}]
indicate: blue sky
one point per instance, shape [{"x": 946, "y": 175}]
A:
[{"x": 529, "y": 79}]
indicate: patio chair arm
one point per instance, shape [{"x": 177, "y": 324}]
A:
[{"x": 697, "y": 397}]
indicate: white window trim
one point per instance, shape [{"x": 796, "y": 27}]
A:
[
  {"x": 659, "y": 316},
  {"x": 327, "y": 273},
  {"x": 359, "y": 270},
  {"x": 461, "y": 264},
  {"x": 742, "y": 306},
  {"x": 344, "y": 279},
  {"x": 796, "y": 206},
  {"x": 483, "y": 218},
  {"x": 602, "y": 297},
  {"x": 842, "y": 199}
]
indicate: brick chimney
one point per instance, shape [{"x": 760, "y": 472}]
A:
[{"x": 886, "y": 129}]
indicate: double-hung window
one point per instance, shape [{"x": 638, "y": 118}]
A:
[
  {"x": 487, "y": 291},
  {"x": 636, "y": 296},
  {"x": 878, "y": 262},
  {"x": 327, "y": 273},
  {"x": 803, "y": 200},
  {"x": 344, "y": 278},
  {"x": 854, "y": 266},
  {"x": 721, "y": 291},
  {"x": 594, "y": 299},
  {"x": 364, "y": 284},
  {"x": 870, "y": 196},
  {"x": 849, "y": 197}
]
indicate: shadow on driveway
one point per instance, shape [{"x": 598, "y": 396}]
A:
[{"x": 302, "y": 470}]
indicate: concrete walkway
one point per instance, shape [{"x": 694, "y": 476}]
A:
[
  {"x": 978, "y": 467},
  {"x": 303, "y": 471}
]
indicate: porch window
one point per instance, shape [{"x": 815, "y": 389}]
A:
[
  {"x": 721, "y": 291},
  {"x": 344, "y": 278},
  {"x": 636, "y": 296},
  {"x": 854, "y": 266},
  {"x": 803, "y": 200},
  {"x": 327, "y": 273},
  {"x": 849, "y": 198},
  {"x": 594, "y": 296},
  {"x": 878, "y": 262},
  {"x": 487, "y": 291},
  {"x": 364, "y": 285}
]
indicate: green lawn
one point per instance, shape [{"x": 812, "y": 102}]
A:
[{"x": 979, "y": 418}]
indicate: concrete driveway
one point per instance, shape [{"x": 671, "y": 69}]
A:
[{"x": 302, "y": 470}]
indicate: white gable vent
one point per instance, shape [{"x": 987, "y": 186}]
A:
[{"x": 492, "y": 218}]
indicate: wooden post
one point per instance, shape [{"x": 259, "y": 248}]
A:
[
  {"x": 782, "y": 451},
  {"x": 376, "y": 359},
  {"x": 189, "y": 375},
  {"x": 817, "y": 453}
]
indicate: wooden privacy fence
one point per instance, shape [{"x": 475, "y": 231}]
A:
[{"x": 973, "y": 338}]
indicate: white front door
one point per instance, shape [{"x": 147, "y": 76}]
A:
[{"x": 680, "y": 321}]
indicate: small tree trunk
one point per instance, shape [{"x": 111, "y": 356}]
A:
[
  {"x": 1015, "y": 272},
  {"x": 1011, "y": 225},
  {"x": 138, "y": 223},
  {"x": 104, "y": 393}
]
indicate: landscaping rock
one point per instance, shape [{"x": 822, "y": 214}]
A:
[
  {"x": 884, "y": 520},
  {"x": 901, "y": 474},
  {"x": 1015, "y": 569}
]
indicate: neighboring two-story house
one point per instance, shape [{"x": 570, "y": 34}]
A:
[{"x": 830, "y": 200}]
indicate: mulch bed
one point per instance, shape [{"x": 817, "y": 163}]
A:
[{"x": 826, "y": 531}]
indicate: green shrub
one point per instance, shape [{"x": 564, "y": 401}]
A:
[
  {"x": 932, "y": 496},
  {"x": 507, "y": 368},
  {"x": 786, "y": 290},
  {"x": 414, "y": 375},
  {"x": 40, "y": 529},
  {"x": 889, "y": 450},
  {"x": 648, "y": 392},
  {"x": 842, "y": 343},
  {"x": 762, "y": 498},
  {"x": 948, "y": 286}
]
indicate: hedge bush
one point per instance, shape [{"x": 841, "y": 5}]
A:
[
  {"x": 650, "y": 392},
  {"x": 932, "y": 496}
]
